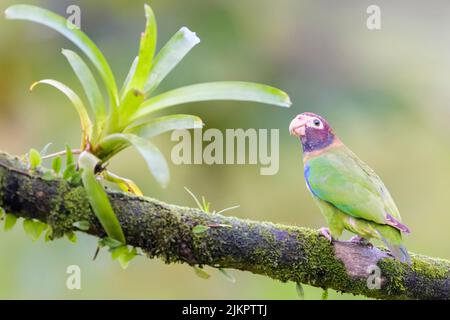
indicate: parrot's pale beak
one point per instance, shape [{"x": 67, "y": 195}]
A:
[{"x": 298, "y": 126}]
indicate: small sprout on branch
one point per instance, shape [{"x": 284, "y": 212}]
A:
[
  {"x": 300, "y": 291},
  {"x": 205, "y": 206},
  {"x": 82, "y": 225},
  {"x": 325, "y": 294},
  {"x": 227, "y": 275},
  {"x": 10, "y": 221},
  {"x": 44, "y": 150},
  {"x": 199, "y": 229},
  {"x": 71, "y": 236},
  {"x": 34, "y": 228},
  {"x": 56, "y": 165},
  {"x": 200, "y": 272},
  {"x": 34, "y": 159}
]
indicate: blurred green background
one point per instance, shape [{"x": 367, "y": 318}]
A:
[{"x": 385, "y": 92}]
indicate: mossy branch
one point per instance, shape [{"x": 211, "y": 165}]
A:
[{"x": 285, "y": 253}]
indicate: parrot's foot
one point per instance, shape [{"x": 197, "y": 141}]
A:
[
  {"x": 326, "y": 233},
  {"x": 361, "y": 240}
]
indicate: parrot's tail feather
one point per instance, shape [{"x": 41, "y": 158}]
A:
[
  {"x": 397, "y": 250},
  {"x": 397, "y": 224}
]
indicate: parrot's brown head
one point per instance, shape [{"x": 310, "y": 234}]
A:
[{"x": 314, "y": 131}]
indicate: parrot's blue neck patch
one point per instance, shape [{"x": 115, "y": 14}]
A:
[{"x": 306, "y": 173}]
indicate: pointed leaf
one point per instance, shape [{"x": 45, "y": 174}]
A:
[
  {"x": 98, "y": 199},
  {"x": 227, "y": 275},
  {"x": 128, "y": 78},
  {"x": 199, "y": 229},
  {"x": 71, "y": 32},
  {"x": 146, "y": 52},
  {"x": 56, "y": 165},
  {"x": 160, "y": 125},
  {"x": 134, "y": 93},
  {"x": 71, "y": 236},
  {"x": 90, "y": 86},
  {"x": 86, "y": 125},
  {"x": 116, "y": 252},
  {"x": 194, "y": 197},
  {"x": 110, "y": 243},
  {"x": 201, "y": 273},
  {"x": 169, "y": 56},
  {"x": 227, "y": 90},
  {"x": 33, "y": 228},
  {"x": 34, "y": 158},
  {"x": 44, "y": 150},
  {"x": 300, "y": 291},
  {"x": 10, "y": 221},
  {"x": 82, "y": 225},
  {"x": 124, "y": 259},
  {"x": 126, "y": 185},
  {"x": 153, "y": 157}
]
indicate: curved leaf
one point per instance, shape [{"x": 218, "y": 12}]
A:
[
  {"x": 160, "y": 125},
  {"x": 98, "y": 199},
  {"x": 227, "y": 90},
  {"x": 169, "y": 56},
  {"x": 134, "y": 94},
  {"x": 71, "y": 32},
  {"x": 146, "y": 51},
  {"x": 153, "y": 157},
  {"x": 90, "y": 86},
  {"x": 86, "y": 125},
  {"x": 129, "y": 77},
  {"x": 124, "y": 184}
]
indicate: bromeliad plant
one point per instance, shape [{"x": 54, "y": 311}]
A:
[{"x": 125, "y": 117}]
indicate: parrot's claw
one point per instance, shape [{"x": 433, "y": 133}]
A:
[
  {"x": 326, "y": 233},
  {"x": 362, "y": 241}
]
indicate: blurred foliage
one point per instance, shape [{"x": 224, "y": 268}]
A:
[{"x": 386, "y": 94}]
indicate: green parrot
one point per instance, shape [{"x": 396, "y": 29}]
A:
[{"x": 348, "y": 192}]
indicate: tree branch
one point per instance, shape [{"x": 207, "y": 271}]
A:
[{"x": 285, "y": 253}]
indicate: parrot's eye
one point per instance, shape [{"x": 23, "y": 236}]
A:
[{"x": 316, "y": 122}]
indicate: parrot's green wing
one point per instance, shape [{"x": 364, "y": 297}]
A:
[{"x": 339, "y": 177}]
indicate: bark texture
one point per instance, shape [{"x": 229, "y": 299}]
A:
[{"x": 285, "y": 253}]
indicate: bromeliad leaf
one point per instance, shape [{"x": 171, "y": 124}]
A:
[
  {"x": 146, "y": 52},
  {"x": 153, "y": 157},
  {"x": 124, "y": 184},
  {"x": 134, "y": 94},
  {"x": 160, "y": 125},
  {"x": 86, "y": 125},
  {"x": 98, "y": 199},
  {"x": 128, "y": 78},
  {"x": 227, "y": 90},
  {"x": 90, "y": 87},
  {"x": 71, "y": 32},
  {"x": 169, "y": 56}
]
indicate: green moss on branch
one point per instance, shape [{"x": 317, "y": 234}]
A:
[{"x": 281, "y": 252}]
